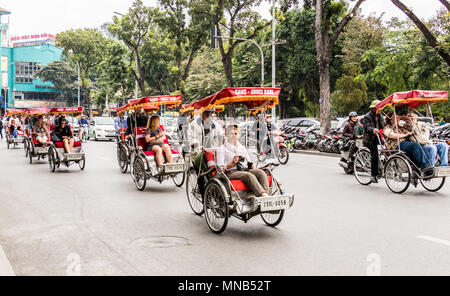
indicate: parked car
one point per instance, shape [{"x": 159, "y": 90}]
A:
[
  {"x": 102, "y": 128},
  {"x": 303, "y": 123}
]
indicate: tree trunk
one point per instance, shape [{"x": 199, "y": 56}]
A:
[
  {"x": 140, "y": 73},
  {"x": 228, "y": 67},
  {"x": 325, "y": 105},
  {"x": 434, "y": 43}
]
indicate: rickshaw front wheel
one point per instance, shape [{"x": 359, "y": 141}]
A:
[
  {"x": 51, "y": 160},
  {"x": 216, "y": 208},
  {"x": 139, "y": 173},
  {"x": 82, "y": 163},
  {"x": 433, "y": 184},
  {"x": 178, "y": 179},
  {"x": 398, "y": 174},
  {"x": 273, "y": 219},
  {"x": 193, "y": 194},
  {"x": 122, "y": 157}
]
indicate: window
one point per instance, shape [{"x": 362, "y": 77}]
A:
[
  {"x": 25, "y": 71},
  {"x": 40, "y": 96}
]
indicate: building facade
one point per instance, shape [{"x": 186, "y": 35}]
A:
[{"x": 21, "y": 58}]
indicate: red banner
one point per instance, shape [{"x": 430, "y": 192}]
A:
[
  {"x": 67, "y": 110},
  {"x": 253, "y": 98}
]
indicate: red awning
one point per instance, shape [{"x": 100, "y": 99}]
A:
[
  {"x": 67, "y": 110},
  {"x": 38, "y": 111},
  {"x": 169, "y": 101},
  {"x": 252, "y": 98},
  {"x": 413, "y": 99}
]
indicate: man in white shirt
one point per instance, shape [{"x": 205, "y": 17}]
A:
[{"x": 233, "y": 158}]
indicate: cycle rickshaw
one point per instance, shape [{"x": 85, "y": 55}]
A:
[
  {"x": 56, "y": 152},
  {"x": 124, "y": 145},
  {"x": 33, "y": 148},
  {"x": 10, "y": 140},
  {"x": 398, "y": 170},
  {"x": 221, "y": 197},
  {"x": 144, "y": 166}
]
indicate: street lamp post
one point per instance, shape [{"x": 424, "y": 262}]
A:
[
  {"x": 260, "y": 49},
  {"x": 273, "y": 55}
]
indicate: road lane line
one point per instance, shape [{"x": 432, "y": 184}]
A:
[
  {"x": 434, "y": 240},
  {"x": 104, "y": 158},
  {"x": 5, "y": 267}
]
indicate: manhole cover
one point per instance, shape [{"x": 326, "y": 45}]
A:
[{"x": 160, "y": 242}]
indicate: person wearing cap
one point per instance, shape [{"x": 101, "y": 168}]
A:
[
  {"x": 203, "y": 132},
  {"x": 373, "y": 123},
  {"x": 349, "y": 132}
]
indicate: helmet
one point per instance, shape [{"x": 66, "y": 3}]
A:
[{"x": 353, "y": 114}]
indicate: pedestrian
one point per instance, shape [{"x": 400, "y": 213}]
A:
[
  {"x": 372, "y": 123},
  {"x": 1, "y": 127}
]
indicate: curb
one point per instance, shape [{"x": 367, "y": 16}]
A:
[{"x": 318, "y": 153}]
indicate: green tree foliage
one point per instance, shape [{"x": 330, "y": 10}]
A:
[
  {"x": 85, "y": 48},
  {"x": 61, "y": 74},
  {"x": 350, "y": 95}
]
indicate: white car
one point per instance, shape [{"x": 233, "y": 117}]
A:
[{"x": 102, "y": 128}]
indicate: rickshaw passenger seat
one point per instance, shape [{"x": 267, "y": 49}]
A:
[
  {"x": 238, "y": 185},
  {"x": 140, "y": 136}
]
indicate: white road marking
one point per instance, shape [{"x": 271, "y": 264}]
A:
[
  {"x": 104, "y": 158},
  {"x": 434, "y": 240},
  {"x": 5, "y": 267}
]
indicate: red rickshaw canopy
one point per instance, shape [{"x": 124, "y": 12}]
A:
[
  {"x": 150, "y": 102},
  {"x": 10, "y": 112},
  {"x": 413, "y": 99},
  {"x": 66, "y": 110},
  {"x": 255, "y": 99},
  {"x": 38, "y": 111}
]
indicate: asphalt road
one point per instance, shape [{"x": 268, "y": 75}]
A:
[{"x": 97, "y": 223}]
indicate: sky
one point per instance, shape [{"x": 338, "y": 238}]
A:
[{"x": 53, "y": 16}]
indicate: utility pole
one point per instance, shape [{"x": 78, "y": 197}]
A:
[
  {"x": 79, "y": 85},
  {"x": 274, "y": 20}
]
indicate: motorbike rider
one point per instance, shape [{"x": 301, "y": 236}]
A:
[
  {"x": 120, "y": 122},
  {"x": 84, "y": 124},
  {"x": 141, "y": 121},
  {"x": 349, "y": 132},
  {"x": 372, "y": 123}
]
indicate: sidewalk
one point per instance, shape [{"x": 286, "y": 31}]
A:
[
  {"x": 314, "y": 152},
  {"x": 5, "y": 266}
]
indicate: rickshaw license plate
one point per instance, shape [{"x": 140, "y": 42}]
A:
[
  {"x": 274, "y": 203},
  {"x": 73, "y": 156},
  {"x": 174, "y": 168}
]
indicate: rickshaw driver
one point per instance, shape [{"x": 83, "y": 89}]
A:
[
  {"x": 141, "y": 121},
  {"x": 372, "y": 123},
  {"x": 40, "y": 130},
  {"x": 203, "y": 132},
  {"x": 233, "y": 158},
  {"x": 422, "y": 134}
]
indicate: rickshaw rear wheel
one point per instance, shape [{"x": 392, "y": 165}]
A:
[
  {"x": 51, "y": 160},
  {"x": 122, "y": 157},
  {"x": 273, "y": 219},
  {"x": 216, "y": 208},
  {"x": 7, "y": 143},
  {"x": 30, "y": 155},
  {"x": 82, "y": 163},
  {"x": 433, "y": 184},
  {"x": 139, "y": 173},
  {"x": 397, "y": 174},
  {"x": 193, "y": 194},
  {"x": 362, "y": 167}
]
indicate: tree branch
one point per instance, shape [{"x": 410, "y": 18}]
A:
[
  {"x": 427, "y": 33},
  {"x": 340, "y": 27},
  {"x": 446, "y": 4}
]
